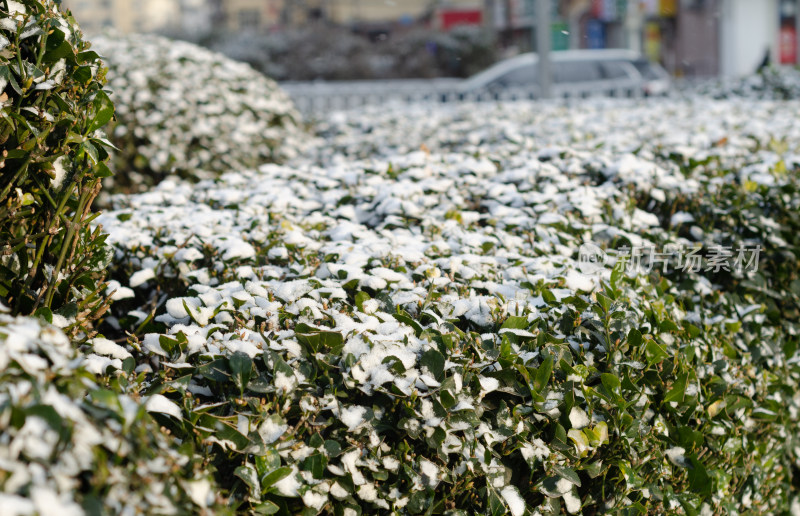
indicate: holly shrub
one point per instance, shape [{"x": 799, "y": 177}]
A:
[{"x": 53, "y": 159}]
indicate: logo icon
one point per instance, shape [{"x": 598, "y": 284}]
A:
[{"x": 592, "y": 259}]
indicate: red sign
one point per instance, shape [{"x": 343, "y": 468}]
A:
[
  {"x": 450, "y": 18},
  {"x": 604, "y": 10},
  {"x": 597, "y": 9},
  {"x": 788, "y": 45}
]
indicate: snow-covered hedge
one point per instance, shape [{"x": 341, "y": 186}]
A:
[
  {"x": 71, "y": 446},
  {"x": 773, "y": 83},
  {"x": 184, "y": 110},
  {"x": 412, "y": 328}
]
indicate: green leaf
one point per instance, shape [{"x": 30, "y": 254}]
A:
[
  {"x": 667, "y": 326},
  {"x": 269, "y": 461},
  {"x": 45, "y": 313},
  {"x": 733, "y": 327},
  {"x": 446, "y": 399},
  {"x": 47, "y": 413},
  {"x": 275, "y": 476},
  {"x": 678, "y": 389},
  {"x": 103, "y": 111},
  {"x": 616, "y": 275},
  {"x": 496, "y": 505},
  {"x": 699, "y": 481},
  {"x": 598, "y": 435},
  {"x": 69, "y": 310},
  {"x": 171, "y": 346},
  {"x": 241, "y": 366},
  {"x": 216, "y": 371},
  {"x": 580, "y": 440},
  {"x": 360, "y": 298},
  {"x": 604, "y": 301},
  {"x": 594, "y": 469},
  {"x": 395, "y": 364},
  {"x": 418, "y": 502},
  {"x": 404, "y": 318},
  {"x": 91, "y": 150},
  {"x": 568, "y": 474},
  {"x": 434, "y": 361},
  {"x": 634, "y": 338},
  {"x": 102, "y": 170},
  {"x": 88, "y": 56},
  {"x": 228, "y": 433},
  {"x": 266, "y": 507},
  {"x": 610, "y": 382},
  {"x": 333, "y": 448},
  {"x": 318, "y": 340},
  {"x": 249, "y": 476},
  {"x": 654, "y": 352},
  {"x": 543, "y": 374},
  {"x": 59, "y": 51},
  {"x": 517, "y": 323},
  {"x": 316, "y": 464},
  {"x": 551, "y": 487}
]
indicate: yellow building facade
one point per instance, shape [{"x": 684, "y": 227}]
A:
[
  {"x": 124, "y": 15},
  {"x": 372, "y": 11},
  {"x": 150, "y": 15},
  {"x": 251, "y": 14}
]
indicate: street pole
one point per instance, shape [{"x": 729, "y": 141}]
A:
[
  {"x": 489, "y": 22},
  {"x": 543, "y": 47},
  {"x": 633, "y": 27}
]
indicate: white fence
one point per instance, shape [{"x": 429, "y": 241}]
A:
[{"x": 316, "y": 98}]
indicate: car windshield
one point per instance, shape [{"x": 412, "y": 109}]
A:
[
  {"x": 647, "y": 69},
  {"x": 519, "y": 77}
]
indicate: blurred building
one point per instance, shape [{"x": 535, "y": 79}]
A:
[
  {"x": 441, "y": 13},
  {"x": 125, "y": 15},
  {"x": 689, "y": 37},
  {"x": 235, "y": 15}
]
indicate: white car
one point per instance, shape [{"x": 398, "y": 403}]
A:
[{"x": 575, "y": 73}]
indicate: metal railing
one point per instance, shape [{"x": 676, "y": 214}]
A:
[{"x": 318, "y": 98}]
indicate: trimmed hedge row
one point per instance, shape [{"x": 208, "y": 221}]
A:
[{"x": 415, "y": 331}]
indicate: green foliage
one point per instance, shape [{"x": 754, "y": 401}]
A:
[{"x": 53, "y": 159}]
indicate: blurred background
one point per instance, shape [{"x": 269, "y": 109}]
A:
[{"x": 302, "y": 40}]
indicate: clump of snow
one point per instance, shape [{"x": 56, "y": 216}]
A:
[
  {"x": 161, "y": 404},
  {"x": 289, "y": 485},
  {"x": 272, "y": 429},
  {"x": 677, "y": 456},
  {"x": 103, "y": 346},
  {"x": 578, "y": 418},
  {"x": 515, "y": 502},
  {"x": 353, "y": 416}
]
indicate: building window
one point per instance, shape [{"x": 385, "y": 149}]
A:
[{"x": 249, "y": 19}]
